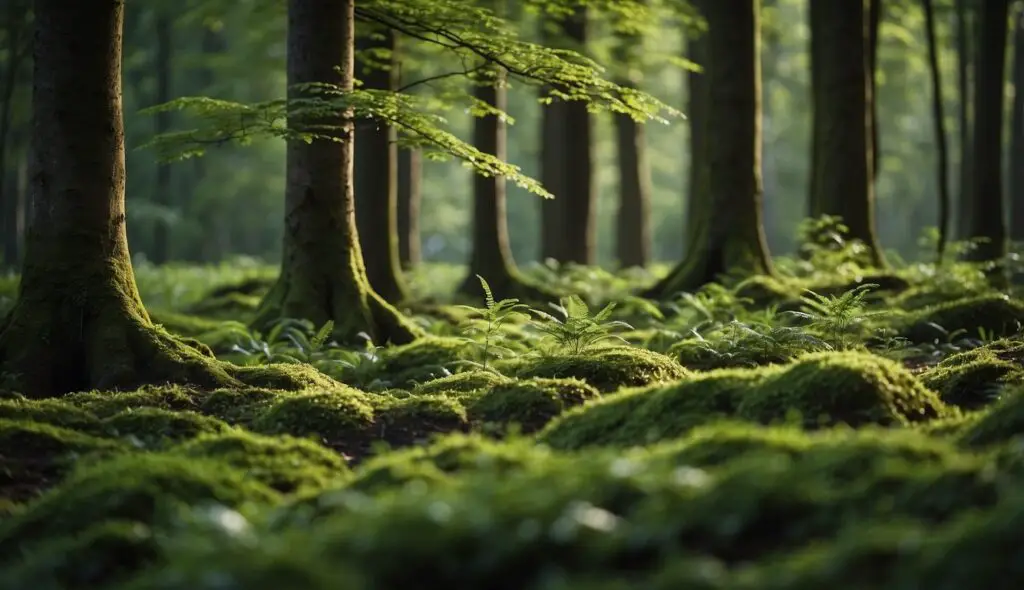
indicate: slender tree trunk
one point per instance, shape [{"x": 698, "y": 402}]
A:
[
  {"x": 874, "y": 24},
  {"x": 580, "y": 222},
  {"x": 376, "y": 180},
  {"x": 553, "y": 176},
  {"x": 988, "y": 219},
  {"x": 410, "y": 177},
  {"x": 938, "y": 117},
  {"x": 161, "y": 232},
  {"x": 1017, "y": 133},
  {"x": 843, "y": 175},
  {"x": 697, "y": 101},
  {"x": 79, "y": 323},
  {"x": 19, "y": 45},
  {"x": 633, "y": 244},
  {"x": 729, "y": 231},
  {"x": 322, "y": 273},
  {"x": 965, "y": 70}
]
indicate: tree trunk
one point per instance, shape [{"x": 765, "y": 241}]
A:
[
  {"x": 580, "y": 198},
  {"x": 1017, "y": 133},
  {"x": 161, "y": 232},
  {"x": 410, "y": 177},
  {"x": 729, "y": 235},
  {"x": 322, "y": 273},
  {"x": 19, "y": 44},
  {"x": 938, "y": 117},
  {"x": 376, "y": 180},
  {"x": 79, "y": 323},
  {"x": 552, "y": 166},
  {"x": 843, "y": 176},
  {"x": 874, "y": 24},
  {"x": 988, "y": 219},
  {"x": 697, "y": 101},
  {"x": 633, "y": 244},
  {"x": 965, "y": 69}
]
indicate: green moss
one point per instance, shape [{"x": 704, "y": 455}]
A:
[
  {"x": 950, "y": 428},
  {"x": 607, "y": 369},
  {"x": 529, "y": 403},
  {"x": 412, "y": 420},
  {"x": 971, "y": 384},
  {"x": 155, "y": 428},
  {"x": 228, "y": 306},
  {"x": 423, "y": 360},
  {"x": 343, "y": 420},
  {"x": 284, "y": 463},
  {"x": 184, "y": 324},
  {"x": 108, "y": 403},
  {"x": 996, "y": 314},
  {"x": 286, "y": 376},
  {"x": 849, "y": 388},
  {"x": 55, "y": 412},
  {"x": 97, "y": 558},
  {"x": 999, "y": 423},
  {"x": 646, "y": 415},
  {"x": 465, "y": 382},
  {"x": 239, "y": 406},
  {"x": 34, "y": 455},
  {"x": 131, "y": 488}
]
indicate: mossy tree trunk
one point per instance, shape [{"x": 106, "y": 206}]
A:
[
  {"x": 161, "y": 232},
  {"x": 322, "y": 272},
  {"x": 987, "y": 219},
  {"x": 697, "y": 109},
  {"x": 580, "y": 198},
  {"x": 633, "y": 233},
  {"x": 843, "y": 175},
  {"x": 728, "y": 232},
  {"x": 79, "y": 322},
  {"x": 410, "y": 177},
  {"x": 491, "y": 254},
  {"x": 1017, "y": 133},
  {"x": 376, "y": 171}
]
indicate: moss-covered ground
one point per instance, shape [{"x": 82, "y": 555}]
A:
[{"x": 734, "y": 438}]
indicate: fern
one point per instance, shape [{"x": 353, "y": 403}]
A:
[
  {"x": 836, "y": 317},
  {"x": 577, "y": 330},
  {"x": 486, "y": 323}
]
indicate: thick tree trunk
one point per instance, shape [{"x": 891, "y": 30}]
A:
[
  {"x": 19, "y": 44},
  {"x": 322, "y": 273},
  {"x": 161, "y": 232},
  {"x": 965, "y": 42},
  {"x": 553, "y": 177},
  {"x": 410, "y": 177},
  {"x": 939, "y": 120},
  {"x": 874, "y": 24},
  {"x": 728, "y": 230},
  {"x": 1017, "y": 133},
  {"x": 988, "y": 219},
  {"x": 79, "y": 323},
  {"x": 376, "y": 179},
  {"x": 843, "y": 176},
  {"x": 633, "y": 243},
  {"x": 580, "y": 198}
]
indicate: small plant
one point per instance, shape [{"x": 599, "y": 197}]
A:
[
  {"x": 484, "y": 328},
  {"x": 836, "y": 317},
  {"x": 577, "y": 330},
  {"x": 360, "y": 368}
]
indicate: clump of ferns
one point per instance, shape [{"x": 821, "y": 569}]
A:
[
  {"x": 485, "y": 330},
  {"x": 746, "y": 344},
  {"x": 573, "y": 329},
  {"x": 841, "y": 320}
]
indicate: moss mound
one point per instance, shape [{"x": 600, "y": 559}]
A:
[
  {"x": 413, "y": 420},
  {"x": 50, "y": 411},
  {"x": 849, "y": 388},
  {"x": 239, "y": 406},
  {"x": 131, "y": 488},
  {"x": 465, "y": 382},
  {"x": 286, "y": 376},
  {"x": 228, "y": 305},
  {"x": 155, "y": 427},
  {"x": 529, "y": 403},
  {"x": 607, "y": 369},
  {"x": 995, "y": 314},
  {"x": 420, "y": 361},
  {"x": 342, "y": 420},
  {"x": 971, "y": 380},
  {"x": 284, "y": 463},
  {"x": 33, "y": 455},
  {"x": 1001, "y": 422},
  {"x": 107, "y": 403},
  {"x": 97, "y": 558}
]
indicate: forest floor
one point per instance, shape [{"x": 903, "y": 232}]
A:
[{"x": 754, "y": 435}]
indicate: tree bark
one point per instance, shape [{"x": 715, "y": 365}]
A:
[
  {"x": 580, "y": 198},
  {"x": 987, "y": 218},
  {"x": 1017, "y": 133},
  {"x": 323, "y": 277},
  {"x": 19, "y": 45},
  {"x": 79, "y": 322},
  {"x": 410, "y": 178},
  {"x": 965, "y": 42},
  {"x": 938, "y": 118},
  {"x": 552, "y": 165},
  {"x": 729, "y": 234},
  {"x": 633, "y": 233},
  {"x": 161, "y": 231},
  {"x": 874, "y": 24},
  {"x": 843, "y": 176},
  {"x": 376, "y": 180}
]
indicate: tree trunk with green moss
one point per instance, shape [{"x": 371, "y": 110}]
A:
[
  {"x": 1017, "y": 133},
  {"x": 410, "y": 175},
  {"x": 843, "y": 175},
  {"x": 323, "y": 277},
  {"x": 79, "y": 323},
  {"x": 376, "y": 174},
  {"x": 728, "y": 234},
  {"x": 987, "y": 219}
]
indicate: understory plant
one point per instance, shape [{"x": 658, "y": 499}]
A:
[
  {"x": 577, "y": 330},
  {"x": 837, "y": 318},
  {"x": 484, "y": 330}
]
